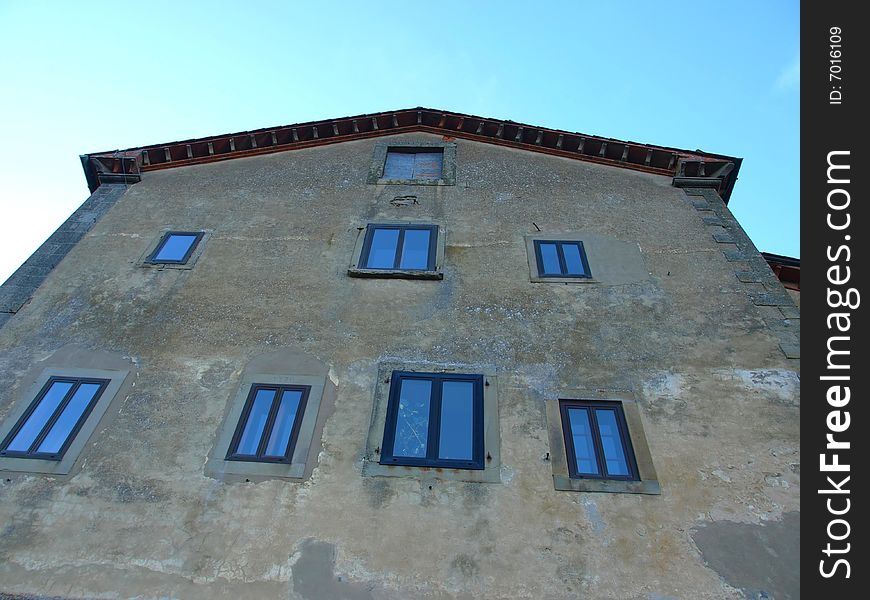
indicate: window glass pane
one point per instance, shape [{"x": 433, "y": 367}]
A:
[
  {"x": 415, "y": 249},
  {"x": 382, "y": 252},
  {"x": 427, "y": 165},
  {"x": 253, "y": 432},
  {"x": 573, "y": 263},
  {"x": 175, "y": 247},
  {"x": 412, "y": 421},
  {"x": 68, "y": 418},
  {"x": 40, "y": 416},
  {"x": 550, "y": 259},
  {"x": 584, "y": 448},
  {"x": 611, "y": 441},
  {"x": 457, "y": 420},
  {"x": 284, "y": 420},
  {"x": 399, "y": 165}
]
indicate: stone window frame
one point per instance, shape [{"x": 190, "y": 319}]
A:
[
  {"x": 354, "y": 270},
  {"x": 76, "y": 447},
  {"x": 296, "y": 468},
  {"x": 199, "y": 247},
  {"x": 491, "y": 473},
  {"x": 448, "y": 164},
  {"x": 647, "y": 481}
]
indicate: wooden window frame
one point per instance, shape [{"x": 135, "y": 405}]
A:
[{"x": 379, "y": 160}]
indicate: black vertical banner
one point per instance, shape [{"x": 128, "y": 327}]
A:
[{"x": 835, "y": 423}]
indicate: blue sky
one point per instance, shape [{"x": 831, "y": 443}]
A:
[{"x": 83, "y": 77}]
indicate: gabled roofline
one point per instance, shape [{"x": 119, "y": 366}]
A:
[{"x": 689, "y": 168}]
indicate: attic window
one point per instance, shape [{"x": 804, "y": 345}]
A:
[{"x": 414, "y": 163}]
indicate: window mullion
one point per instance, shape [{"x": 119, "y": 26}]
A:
[
  {"x": 433, "y": 443},
  {"x": 82, "y": 418},
  {"x": 54, "y": 417},
  {"x": 270, "y": 422},
  {"x": 596, "y": 441},
  {"x": 297, "y": 424},
  {"x": 400, "y": 243},
  {"x": 563, "y": 266}
]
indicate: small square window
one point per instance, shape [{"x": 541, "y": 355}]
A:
[
  {"x": 561, "y": 258},
  {"x": 175, "y": 247},
  {"x": 434, "y": 420},
  {"x": 413, "y": 163},
  {"x": 50, "y": 424},
  {"x": 400, "y": 247},
  {"x": 597, "y": 441},
  {"x": 269, "y": 425}
]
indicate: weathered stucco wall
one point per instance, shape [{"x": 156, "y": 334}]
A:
[{"x": 140, "y": 517}]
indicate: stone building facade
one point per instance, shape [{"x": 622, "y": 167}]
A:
[{"x": 662, "y": 340}]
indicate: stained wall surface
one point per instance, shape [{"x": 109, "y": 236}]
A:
[{"x": 140, "y": 516}]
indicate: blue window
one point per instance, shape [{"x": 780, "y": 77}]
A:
[
  {"x": 414, "y": 163},
  {"x": 434, "y": 420},
  {"x": 558, "y": 258},
  {"x": 269, "y": 424},
  {"x": 175, "y": 247},
  {"x": 400, "y": 247},
  {"x": 597, "y": 440},
  {"x": 51, "y": 422}
]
